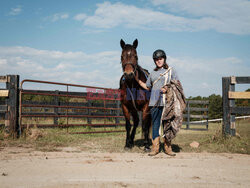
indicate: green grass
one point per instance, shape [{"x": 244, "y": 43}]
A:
[
  {"x": 210, "y": 140},
  {"x": 213, "y": 140}
]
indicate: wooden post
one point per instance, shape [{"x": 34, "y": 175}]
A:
[
  {"x": 188, "y": 114},
  {"x": 12, "y": 115},
  {"x": 232, "y": 104},
  {"x": 207, "y": 106},
  {"x": 226, "y": 130}
]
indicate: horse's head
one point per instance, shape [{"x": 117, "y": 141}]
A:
[{"x": 129, "y": 59}]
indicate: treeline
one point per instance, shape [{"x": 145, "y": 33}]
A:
[
  {"x": 215, "y": 104},
  {"x": 214, "y": 107}
]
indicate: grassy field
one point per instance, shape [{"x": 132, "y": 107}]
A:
[{"x": 57, "y": 138}]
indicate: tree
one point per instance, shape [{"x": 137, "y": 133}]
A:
[
  {"x": 215, "y": 106},
  {"x": 243, "y": 102}
]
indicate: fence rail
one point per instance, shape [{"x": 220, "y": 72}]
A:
[{"x": 190, "y": 110}]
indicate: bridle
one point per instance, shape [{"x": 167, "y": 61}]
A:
[
  {"x": 129, "y": 63},
  {"x": 134, "y": 72}
]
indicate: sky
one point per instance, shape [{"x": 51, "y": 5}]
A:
[{"x": 78, "y": 41}]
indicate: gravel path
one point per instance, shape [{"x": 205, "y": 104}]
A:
[{"x": 24, "y": 167}]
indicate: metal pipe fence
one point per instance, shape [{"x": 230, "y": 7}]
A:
[{"x": 98, "y": 103}]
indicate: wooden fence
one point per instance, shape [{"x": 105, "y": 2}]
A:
[
  {"x": 229, "y": 109},
  {"x": 196, "y": 109},
  {"x": 9, "y": 104}
]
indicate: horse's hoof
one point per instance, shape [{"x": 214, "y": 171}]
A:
[
  {"x": 127, "y": 148},
  {"x": 147, "y": 149}
]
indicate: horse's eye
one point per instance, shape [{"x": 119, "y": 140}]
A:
[
  {"x": 121, "y": 57},
  {"x": 136, "y": 57}
]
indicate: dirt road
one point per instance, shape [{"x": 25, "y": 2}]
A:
[{"x": 20, "y": 167}]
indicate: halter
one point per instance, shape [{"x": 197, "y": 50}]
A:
[{"x": 130, "y": 63}]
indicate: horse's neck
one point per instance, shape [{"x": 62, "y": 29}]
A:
[
  {"x": 142, "y": 74},
  {"x": 131, "y": 84}
]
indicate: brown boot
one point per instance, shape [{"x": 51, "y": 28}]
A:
[
  {"x": 168, "y": 148},
  {"x": 155, "y": 147}
]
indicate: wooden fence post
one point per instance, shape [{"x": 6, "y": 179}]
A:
[
  {"x": 207, "y": 106},
  {"x": 225, "y": 89},
  {"x": 232, "y": 104},
  {"x": 11, "y": 117},
  {"x": 188, "y": 115},
  {"x": 228, "y": 128}
]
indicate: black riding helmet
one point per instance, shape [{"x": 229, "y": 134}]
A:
[{"x": 159, "y": 54}]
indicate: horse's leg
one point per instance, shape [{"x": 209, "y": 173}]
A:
[
  {"x": 126, "y": 113},
  {"x": 136, "y": 122},
  {"x": 146, "y": 123}
]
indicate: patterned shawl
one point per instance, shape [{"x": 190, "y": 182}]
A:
[{"x": 175, "y": 104}]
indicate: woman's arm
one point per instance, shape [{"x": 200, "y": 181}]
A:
[{"x": 143, "y": 85}]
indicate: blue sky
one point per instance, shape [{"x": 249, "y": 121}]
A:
[{"x": 79, "y": 41}]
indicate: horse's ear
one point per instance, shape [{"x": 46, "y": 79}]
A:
[
  {"x": 135, "y": 43},
  {"x": 122, "y": 43}
]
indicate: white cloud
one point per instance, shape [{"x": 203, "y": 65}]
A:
[
  {"x": 227, "y": 16},
  {"x": 205, "y": 85},
  {"x": 3, "y": 62},
  {"x": 15, "y": 11},
  {"x": 71, "y": 67},
  {"x": 103, "y": 69},
  {"x": 109, "y": 15},
  {"x": 211, "y": 8},
  {"x": 220, "y": 66},
  {"x": 58, "y": 16},
  {"x": 223, "y": 16},
  {"x": 80, "y": 17},
  {"x": 203, "y": 76}
]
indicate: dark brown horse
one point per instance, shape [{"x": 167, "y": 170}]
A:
[{"x": 133, "y": 97}]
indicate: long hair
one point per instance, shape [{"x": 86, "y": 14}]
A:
[{"x": 165, "y": 66}]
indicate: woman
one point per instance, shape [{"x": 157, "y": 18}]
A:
[{"x": 158, "y": 82}]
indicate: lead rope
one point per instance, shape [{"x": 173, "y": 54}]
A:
[
  {"x": 167, "y": 77},
  {"x": 163, "y": 74},
  {"x": 131, "y": 94}
]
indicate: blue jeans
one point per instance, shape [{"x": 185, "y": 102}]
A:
[{"x": 156, "y": 113}]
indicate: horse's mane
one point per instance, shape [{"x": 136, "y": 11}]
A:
[{"x": 145, "y": 71}]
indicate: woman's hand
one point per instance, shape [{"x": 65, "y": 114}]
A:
[{"x": 164, "y": 90}]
